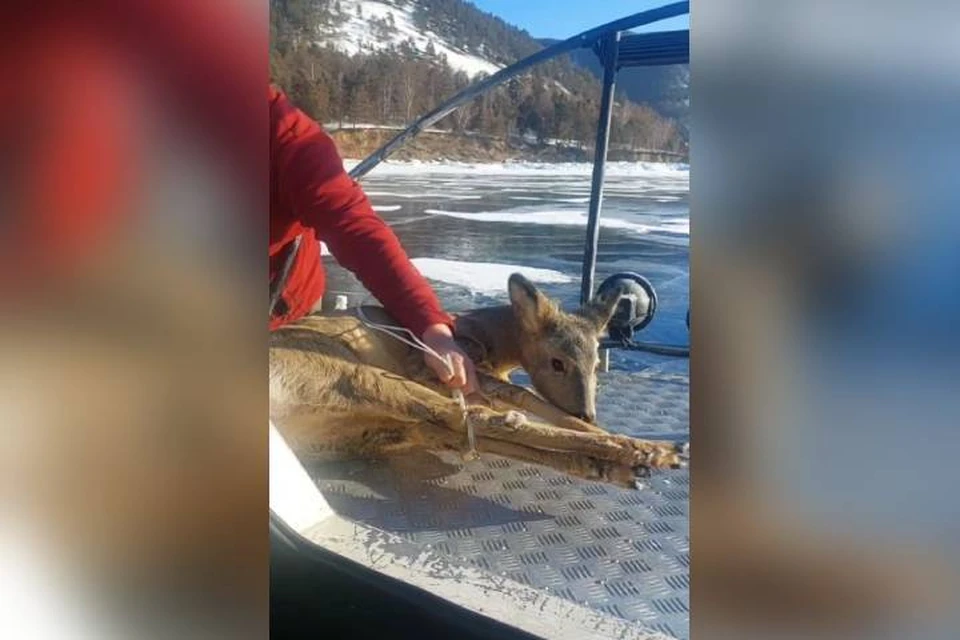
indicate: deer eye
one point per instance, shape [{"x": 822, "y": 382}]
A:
[{"x": 557, "y": 365}]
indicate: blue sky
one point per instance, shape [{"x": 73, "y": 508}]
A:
[{"x": 565, "y": 18}]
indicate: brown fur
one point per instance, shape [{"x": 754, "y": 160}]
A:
[{"x": 339, "y": 388}]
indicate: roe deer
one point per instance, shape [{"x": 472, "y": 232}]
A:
[{"x": 339, "y": 388}]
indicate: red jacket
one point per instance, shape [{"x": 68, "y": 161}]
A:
[{"x": 311, "y": 195}]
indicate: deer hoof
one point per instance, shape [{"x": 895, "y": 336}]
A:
[
  {"x": 514, "y": 419},
  {"x": 660, "y": 455},
  {"x": 640, "y": 472}
]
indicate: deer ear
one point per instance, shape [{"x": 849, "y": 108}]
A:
[
  {"x": 602, "y": 307},
  {"x": 529, "y": 305}
]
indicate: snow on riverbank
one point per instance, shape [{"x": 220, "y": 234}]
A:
[{"x": 678, "y": 170}]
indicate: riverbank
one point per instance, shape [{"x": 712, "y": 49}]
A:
[{"x": 449, "y": 146}]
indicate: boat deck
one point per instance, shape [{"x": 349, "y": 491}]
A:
[{"x": 621, "y": 555}]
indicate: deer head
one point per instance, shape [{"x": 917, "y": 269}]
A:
[{"x": 558, "y": 349}]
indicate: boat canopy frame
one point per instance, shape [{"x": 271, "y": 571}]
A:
[{"x": 616, "y": 49}]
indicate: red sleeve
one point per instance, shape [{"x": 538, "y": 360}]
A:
[{"x": 309, "y": 171}]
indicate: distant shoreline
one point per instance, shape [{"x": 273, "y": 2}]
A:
[
  {"x": 614, "y": 167},
  {"x": 447, "y": 146}
]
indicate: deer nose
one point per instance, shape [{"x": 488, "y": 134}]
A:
[{"x": 588, "y": 417}]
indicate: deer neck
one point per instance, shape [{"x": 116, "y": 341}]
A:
[{"x": 491, "y": 337}]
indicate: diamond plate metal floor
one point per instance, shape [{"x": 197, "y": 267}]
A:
[{"x": 625, "y": 553}]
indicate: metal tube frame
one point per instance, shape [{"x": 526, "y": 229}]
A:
[
  {"x": 650, "y": 347},
  {"x": 609, "y": 47}
]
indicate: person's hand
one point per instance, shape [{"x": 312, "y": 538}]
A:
[{"x": 439, "y": 338}]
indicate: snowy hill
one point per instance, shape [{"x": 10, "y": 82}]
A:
[{"x": 365, "y": 26}]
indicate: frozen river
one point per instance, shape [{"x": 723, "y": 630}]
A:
[{"x": 468, "y": 226}]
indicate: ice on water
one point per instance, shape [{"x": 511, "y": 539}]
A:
[{"x": 468, "y": 226}]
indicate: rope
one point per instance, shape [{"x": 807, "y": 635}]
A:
[{"x": 415, "y": 342}]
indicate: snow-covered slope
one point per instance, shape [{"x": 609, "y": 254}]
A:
[{"x": 356, "y": 34}]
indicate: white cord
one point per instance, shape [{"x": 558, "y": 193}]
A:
[{"x": 415, "y": 342}]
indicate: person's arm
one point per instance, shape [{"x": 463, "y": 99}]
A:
[{"x": 310, "y": 172}]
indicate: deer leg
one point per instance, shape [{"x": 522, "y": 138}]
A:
[
  {"x": 513, "y": 427},
  {"x": 572, "y": 463},
  {"x": 311, "y": 396},
  {"x": 507, "y": 395},
  {"x": 514, "y": 396}
]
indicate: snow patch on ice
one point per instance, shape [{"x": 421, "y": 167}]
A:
[
  {"x": 573, "y": 218},
  {"x": 428, "y": 195},
  {"x": 488, "y": 278}
]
